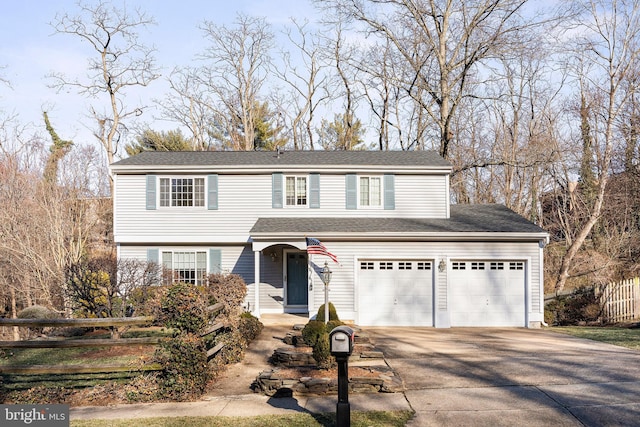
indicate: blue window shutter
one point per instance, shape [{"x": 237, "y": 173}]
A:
[
  {"x": 276, "y": 190},
  {"x": 314, "y": 190},
  {"x": 351, "y": 194},
  {"x": 212, "y": 192},
  {"x": 215, "y": 261},
  {"x": 389, "y": 192},
  {"x": 151, "y": 192},
  {"x": 153, "y": 255}
]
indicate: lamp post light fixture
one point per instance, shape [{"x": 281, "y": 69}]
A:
[{"x": 326, "y": 278}]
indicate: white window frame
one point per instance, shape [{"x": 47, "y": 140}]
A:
[
  {"x": 367, "y": 198},
  {"x": 165, "y": 195},
  {"x": 169, "y": 259},
  {"x": 298, "y": 194}
]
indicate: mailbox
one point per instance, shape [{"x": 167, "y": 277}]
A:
[{"x": 341, "y": 341}]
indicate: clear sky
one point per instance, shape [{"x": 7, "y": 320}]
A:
[{"x": 29, "y": 51}]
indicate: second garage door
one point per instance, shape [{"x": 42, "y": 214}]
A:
[
  {"x": 487, "y": 293},
  {"x": 395, "y": 293}
]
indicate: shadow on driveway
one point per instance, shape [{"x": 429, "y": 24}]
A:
[{"x": 509, "y": 376}]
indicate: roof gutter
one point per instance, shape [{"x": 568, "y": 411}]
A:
[
  {"x": 413, "y": 237},
  {"x": 261, "y": 169}
]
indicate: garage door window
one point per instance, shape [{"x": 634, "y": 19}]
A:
[
  {"x": 497, "y": 265},
  {"x": 477, "y": 265},
  {"x": 405, "y": 265},
  {"x": 458, "y": 265},
  {"x": 366, "y": 266},
  {"x": 516, "y": 266},
  {"x": 386, "y": 266},
  {"x": 424, "y": 266}
]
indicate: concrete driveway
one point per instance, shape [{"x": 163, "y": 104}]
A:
[{"x": 512, "y": 377}]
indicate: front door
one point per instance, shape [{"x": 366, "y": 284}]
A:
[{"x": 297, "y": 280}]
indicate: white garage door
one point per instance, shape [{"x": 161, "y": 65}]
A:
[
  {"x": 487, "y": 293},
  {"x": 395, "y": 293}
]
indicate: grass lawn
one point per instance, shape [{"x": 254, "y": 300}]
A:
[
  {"x": 358, "y": 419},
  {"x": 624, "y": 337}
]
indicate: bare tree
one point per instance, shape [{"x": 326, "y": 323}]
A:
[
  {"x": 303, "y": 73},
  {"x": 610, "y": 31},
  {"x": 237, "y": 61},
  {"x": 188, "y": 105},
  {"x": 121, "y": 63},
  {"x": 442, "y": 42}
]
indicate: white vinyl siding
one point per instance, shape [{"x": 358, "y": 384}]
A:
[
  {"x": 242, "y": 199},
  {"x": 344, "y": 288}
]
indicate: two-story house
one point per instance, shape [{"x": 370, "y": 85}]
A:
[{"x": 406, "y": 256}]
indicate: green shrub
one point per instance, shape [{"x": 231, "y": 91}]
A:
[
  {"x": 250, "y": 327},
  {"x": 185, "y": 370},
  {"x": 316, "y": 335},
  {"x": 321, "y": 351},
  {"x": 580, "y": 306},
  {"x": 183, "y": 306},
  {"x": 332, "y": 324},
  {"x": 311, "y": 331},
  {"x": 234, "y": 345},
  {"x": 333, "y": 315}
]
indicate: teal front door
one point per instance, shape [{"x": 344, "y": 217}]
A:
[{"x": 297, "y": 285}]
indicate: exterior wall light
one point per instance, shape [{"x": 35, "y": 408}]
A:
[{"x": 442, "y": 266}]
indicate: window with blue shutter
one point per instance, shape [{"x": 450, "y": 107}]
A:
[
  {"x": 151, "y": 192},
  {"x": 351, "y": 193},
  {"x": 314, "y": 190},
  {"x": 276, "y": 190},
  {"x": 212, "y": 192},
  {"x": 389, "y": 192},
  {"x": 153, "y": 255},
  {"x": 215, "y": 261}
]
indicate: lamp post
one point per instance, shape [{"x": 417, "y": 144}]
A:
[{"x": 326, "y": 278}]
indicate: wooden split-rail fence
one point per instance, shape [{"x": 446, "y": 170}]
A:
[{"x": 112, "y": 322}]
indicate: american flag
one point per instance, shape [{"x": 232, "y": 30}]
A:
[{"x": 315, "y": 246}]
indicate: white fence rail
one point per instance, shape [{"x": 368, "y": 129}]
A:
[{"x": 621, "y": 300}]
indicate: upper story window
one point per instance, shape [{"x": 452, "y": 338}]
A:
[
  {"x": 181, "y": 191},
  {"x": 370, "y": 191},
  {"x": 296, "y": 191}
]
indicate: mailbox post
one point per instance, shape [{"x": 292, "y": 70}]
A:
[{"x": 341, "y": 346}]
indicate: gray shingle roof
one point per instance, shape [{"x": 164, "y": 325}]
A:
[
  {"x": 271, "y": 158},
  {"x": 464, "y": 219}
]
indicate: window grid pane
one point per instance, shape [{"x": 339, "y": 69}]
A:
[
  {"x": 364, "y": 191},
  {"x": 375, "y": 196},
  {"x": 182, "y": 192},
  {"x": 291, "y": 191},
  {"x": 188, "y": 267},
  {"x": 301, "y": 191},
  {"x": 198, "y": 194},
  {"x": 165, "y": 192}
]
